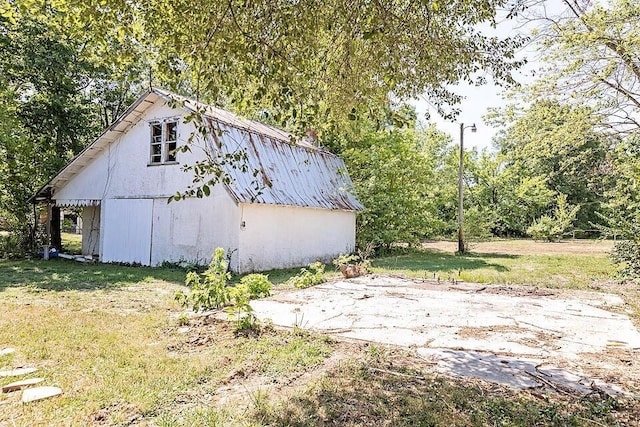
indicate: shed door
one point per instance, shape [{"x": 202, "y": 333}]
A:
[{"x": 127, "y": 231}]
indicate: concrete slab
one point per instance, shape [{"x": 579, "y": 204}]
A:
[{"x": 461, "y": 317}]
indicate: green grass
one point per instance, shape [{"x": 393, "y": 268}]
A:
[
  {"x": 110, "y": 337},
  {"x": 66, "y": 275},
  {"x": 557, "y": 270},
  {"x": 72, "y": 243}
]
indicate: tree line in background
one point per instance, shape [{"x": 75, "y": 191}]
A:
[{"x": 567, "y": 157}]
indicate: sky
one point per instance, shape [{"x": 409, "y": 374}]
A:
[{"x": 478, "y": 99}]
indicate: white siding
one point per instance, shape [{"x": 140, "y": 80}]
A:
[
  {"x": 127, "y": 230},
  {"x": 285, "y": 236},
  {"x": 138, "y": 226},
  {"x": 122, "y": 169},
  {"x": 189, "y": 230}
]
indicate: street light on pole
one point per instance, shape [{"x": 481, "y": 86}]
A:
[{"x": 461, "y": 247}]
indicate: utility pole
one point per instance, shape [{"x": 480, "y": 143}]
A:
[{"x": 461, "y": 246}]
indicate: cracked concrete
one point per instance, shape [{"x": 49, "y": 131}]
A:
[{"x": 465, "y": 331}]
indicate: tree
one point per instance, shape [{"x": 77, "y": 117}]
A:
[
  {"x": 390, "y": 178},
  {"x": 591, "y": 53},
  {"x": 311, "y": 63},
  {"x": 560, "y": 146},
  {"x": 55, "y": 99},
  {"x": 622, "y": 216}
]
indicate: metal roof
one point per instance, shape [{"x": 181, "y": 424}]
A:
[
  {"x": 289, "y": 171},
  {"x": 283, "y": 173}
]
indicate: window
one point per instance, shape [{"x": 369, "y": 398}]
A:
[{"x": 164, "y": 141}]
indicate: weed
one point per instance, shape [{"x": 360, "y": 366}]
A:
[
  {"x": 352, "y": 265},
  {"x": 310, "y": 276},
  {"x": 239, "y": 309},
  {"x": 258, "y": 285},
  {"x": 209, "y": 290},
  {"x": 183, "y": 319}
]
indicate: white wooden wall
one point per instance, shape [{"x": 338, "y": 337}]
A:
[{"x": 286, "y": 236}]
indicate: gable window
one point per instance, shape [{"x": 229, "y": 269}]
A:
[{"x": 164, "y": 141}]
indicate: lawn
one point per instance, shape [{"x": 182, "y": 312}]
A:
[
  {"x": 569, "y": 264},
  {"x": 111, "y": 337}
]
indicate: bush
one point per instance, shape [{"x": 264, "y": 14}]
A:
[
  {"x": 209, "y": 290},
  {"x": 258, "y": 285},
  {"x": 552, "y": 229},
  {"x": 239, "y": 308},
  {"x": 626, "y": 254},
  {"x": 545, "y": 228},
  {"x": 352, "y": 265},
  {"x": 310, "y": 276}
]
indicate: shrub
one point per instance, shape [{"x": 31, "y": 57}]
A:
[
  {"x": 258, "y": 285},
  {"x": 352, "y": 265},
  {"x": 552, "y": 228},
  {"x": 239, "y": 308},
  {"x": 209, "y": 290},
  {"x": 310, "y": 276},
  {"x": 626, "y": 254},
  {"x": 545, "y": 228}
]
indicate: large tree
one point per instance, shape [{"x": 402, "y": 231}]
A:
[
  {"x": 559, "y": 146},
  {"x": 591, "y": 54},
  {"x": 308, "y": 62},
  {"x": 55, "y": 97}
]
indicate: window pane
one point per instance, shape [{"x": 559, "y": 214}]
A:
[
  {"x": 171, "y": 155},
  {"x": 172, "y": 131},
  {"x": 156, "y": 149},
  {"x": 156, "y": 133}
]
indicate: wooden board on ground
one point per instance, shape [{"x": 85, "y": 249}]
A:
[
  {"x": 39, "y": 393},
  {"x": 17, "y": 385},
  {"x": 17, "y": 372}
]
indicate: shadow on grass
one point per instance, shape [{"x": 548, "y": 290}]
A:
[
  {"x": 365, "y": 395},
  {"x": 65, "y": 275},
  {"x": 426, "y": 260}
]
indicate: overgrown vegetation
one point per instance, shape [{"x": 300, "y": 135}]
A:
[
  {"x": 391, "y": 388},
  {"x": 552, "y": 228},
  {"x": 159, "y": 367},
  {"x": 354, "y": 265},
  {"x": 311, "y": 275},
  {"x": 210, "y": 290}
]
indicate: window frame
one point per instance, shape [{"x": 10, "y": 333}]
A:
[{"x": 163, "y": 155}]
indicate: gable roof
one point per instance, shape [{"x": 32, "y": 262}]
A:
[{"x": 280, "y": 170}]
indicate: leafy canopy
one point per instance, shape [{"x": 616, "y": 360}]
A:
[{"x": 305, "y": 62}]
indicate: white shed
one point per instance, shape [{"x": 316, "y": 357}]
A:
[{"x": 291, "y": 203}]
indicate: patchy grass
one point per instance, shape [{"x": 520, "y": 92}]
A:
[
  {"x": 394, "y": 389},
  {"x": 65, "y": 275},
  {"x": 112, "y": 338},
  {"x": 578, "y": 264},
  {"x": 109, "y": 337}
]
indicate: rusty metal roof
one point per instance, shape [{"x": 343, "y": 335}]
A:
[{"x": 281, "y": 172}]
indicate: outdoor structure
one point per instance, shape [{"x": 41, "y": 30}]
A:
[{"x": 282, "y": 202}]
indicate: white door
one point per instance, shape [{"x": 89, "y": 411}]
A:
[{"x": 127, "y": 231}]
